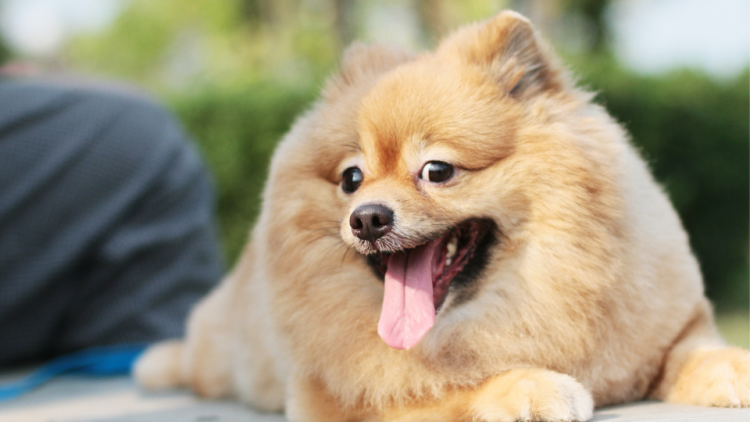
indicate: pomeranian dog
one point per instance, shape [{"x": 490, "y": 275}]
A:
[{"x": 458, "y": 235}]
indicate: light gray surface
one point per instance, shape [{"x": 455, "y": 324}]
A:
[{"x": 118, "y": 399}]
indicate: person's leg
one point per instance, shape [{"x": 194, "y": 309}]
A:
[{"x": 106, "y": 221}]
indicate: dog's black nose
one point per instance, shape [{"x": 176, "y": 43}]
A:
[{"x": 371, "y": 222}]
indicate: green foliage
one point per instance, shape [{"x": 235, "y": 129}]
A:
[
  {"x": 5, "y": 53},
  {"x": 168, "y": 45},
  {"x": 734, "y": 327},
  {"x": 237, "y": 129}
]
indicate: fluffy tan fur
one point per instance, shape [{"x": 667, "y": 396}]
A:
[{"x": 591, "y": 296}]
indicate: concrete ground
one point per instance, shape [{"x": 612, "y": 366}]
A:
[{"x": 118, "y": 399}]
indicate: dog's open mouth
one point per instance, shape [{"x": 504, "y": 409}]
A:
[{"x": 417, "y": 281}]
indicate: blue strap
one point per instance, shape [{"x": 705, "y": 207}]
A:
[{"x": 96, "y": 361}]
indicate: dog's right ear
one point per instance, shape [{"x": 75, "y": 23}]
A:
[{"x": 363, "y": 60}]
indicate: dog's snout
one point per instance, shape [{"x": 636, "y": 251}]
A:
[{"x": 371, "y": 222}]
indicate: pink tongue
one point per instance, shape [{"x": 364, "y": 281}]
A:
[{"x": 408, "y": 309}]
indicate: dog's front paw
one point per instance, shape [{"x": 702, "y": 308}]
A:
[
  {"x": 533, "y": 395},
  {"x": 160, "y": 366},
  {"x": 718, "y": 377}
]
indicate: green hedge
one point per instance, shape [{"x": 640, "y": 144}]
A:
[
  {"x": 237, "y": 131},
  {"x": 692, "y": 130}
]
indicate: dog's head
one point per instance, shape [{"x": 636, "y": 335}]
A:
[
  {"x": 437, "y": 162},
  {"x": 427, "y": 190}
]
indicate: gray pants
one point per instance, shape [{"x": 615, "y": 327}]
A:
[{"x": 106, "y": 221}]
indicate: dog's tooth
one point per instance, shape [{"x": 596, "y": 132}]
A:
[
  {"x": 448, "y": 261},
  {"x": 451, "y": 249}
]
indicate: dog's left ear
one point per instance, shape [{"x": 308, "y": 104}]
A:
[
  {"x": 508, "y": 46},
  {"x": 362, "y": 61}
]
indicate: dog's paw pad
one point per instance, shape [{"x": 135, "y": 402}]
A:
[
  {"x": 536, "y": 395},
  {"x": 714, "y": 378}
]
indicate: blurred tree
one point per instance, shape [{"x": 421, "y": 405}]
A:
[
  {"x": 5, "y": 53},
  {"x": 345, "y": 23},
  {"x": 593, "y": 13},
  {"x": 255, "y": 11},
  {"x": 171, "y": 44},
  {"x": 433, "y": 20}
]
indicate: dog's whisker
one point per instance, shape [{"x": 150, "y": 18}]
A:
[{"x": 346, "y": 252}]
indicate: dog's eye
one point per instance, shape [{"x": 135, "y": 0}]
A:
[
  {"x": 352, "y": 179},
  {"x": 437, "y": 171}
]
